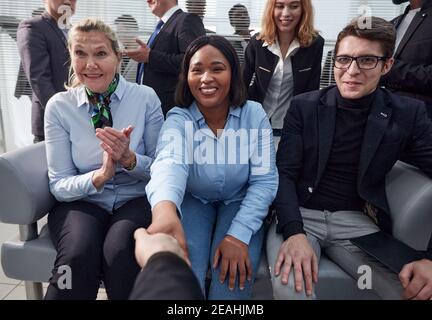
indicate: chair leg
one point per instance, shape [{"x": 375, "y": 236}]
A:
[{"x": 33, "y": 290}]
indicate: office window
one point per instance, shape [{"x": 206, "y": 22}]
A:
[{"x": 330, "y": 17}]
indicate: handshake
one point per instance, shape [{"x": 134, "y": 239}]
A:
[{"x": 146, "y": 245}]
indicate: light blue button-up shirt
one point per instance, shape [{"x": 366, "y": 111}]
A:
[
  {"x": 74, "y": 152},
  {"x": 238, "y": 165}
]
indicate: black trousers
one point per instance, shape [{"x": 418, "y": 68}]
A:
[{"x": 96, "y": 246}]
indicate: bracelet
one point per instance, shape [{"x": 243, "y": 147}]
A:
[{"x": 132, "y": 165}]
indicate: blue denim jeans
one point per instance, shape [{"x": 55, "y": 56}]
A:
[{"x": 205, "y": 226}]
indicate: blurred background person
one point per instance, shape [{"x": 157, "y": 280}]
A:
[
  {"x": 240, "y": 21},
  {"x": 44, "y": 56},
  {"x": 198, "y": 7},
  {"x": 127, "y": 31},
  {"x": 22, "y": 86}
]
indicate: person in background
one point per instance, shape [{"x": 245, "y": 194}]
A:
[
  {"x": 127, "y": 31},
  {"x": 44, "y": 56},
  {"x": 220, "y": 186},
  {"x": 159, "y": 60},
  {"x": 198, "y": 7},
  {"x": 22, "y": 86},
  {"x": 101, "y": 137},
  {"x": 284, "y": 59},
  {"x": 240, "y": 21},
  {"x": 411, "y": 74}
]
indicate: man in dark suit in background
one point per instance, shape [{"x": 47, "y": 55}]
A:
[
  {"x": 337, "y": 146},
  {"x": 160, "y": 59},
  {"x": 43, "y": 49},
  {"x": 22, "y": 87},
  {"x": 411, "y": 74}
]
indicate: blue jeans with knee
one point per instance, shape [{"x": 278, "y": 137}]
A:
[{"x": 205, "y": 226}]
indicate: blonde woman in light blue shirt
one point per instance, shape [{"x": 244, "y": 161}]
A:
[{"x": 100, "y": 140}]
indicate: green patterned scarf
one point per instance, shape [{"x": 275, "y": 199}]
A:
[{"x": 101, "y": 114}]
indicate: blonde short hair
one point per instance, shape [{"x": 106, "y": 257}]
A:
[{"x": 89, "y": 25}]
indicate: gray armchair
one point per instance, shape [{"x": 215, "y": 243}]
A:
[
  {"x": 25, "y": 199},
  {"x": 409, "y": 193}
]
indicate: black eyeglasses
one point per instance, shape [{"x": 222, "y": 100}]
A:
[{"x": 363, "y": 62}]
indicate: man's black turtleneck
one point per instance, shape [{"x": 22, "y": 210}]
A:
[{"x": 337, "y": 189}]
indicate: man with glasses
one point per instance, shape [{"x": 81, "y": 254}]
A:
[{"x": 336, "y": 148}]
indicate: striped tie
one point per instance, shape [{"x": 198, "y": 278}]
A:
[{"x": 140, "y": 73}]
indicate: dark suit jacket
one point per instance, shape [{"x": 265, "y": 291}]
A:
[
  {"x": 22, "y": 87},
  {"x": 259, "y": 65},
  {"x": 411, "y": 74},
  {"x": 166, "y": 55},
  {"x": 45, "y": 59},
  {"x": 397, "y": 128},
  {"x": 166, "y": 277}
]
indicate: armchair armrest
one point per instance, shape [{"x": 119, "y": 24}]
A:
[
  {"x": 25, "y": 195},
  {"x": 409, "y": 194}
]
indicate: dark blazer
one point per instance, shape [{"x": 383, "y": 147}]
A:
[
  {"x": 397, "y": 129},
  {"x": 260, "y": 63},
  {"x": 166, "y": 277},
  {"x": 411, "y": 74},
  {"x": 22, "y": 87},
  {"x": 45, "y": 59},
  {"x": 166, "y": 55}
]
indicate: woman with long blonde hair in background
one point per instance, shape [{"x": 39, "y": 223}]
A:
[{"x": 284, "y": 59}]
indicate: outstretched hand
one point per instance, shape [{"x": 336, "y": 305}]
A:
[
  {"x": 166, "y": 220},
  {"x": 146, "y": 245}
]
